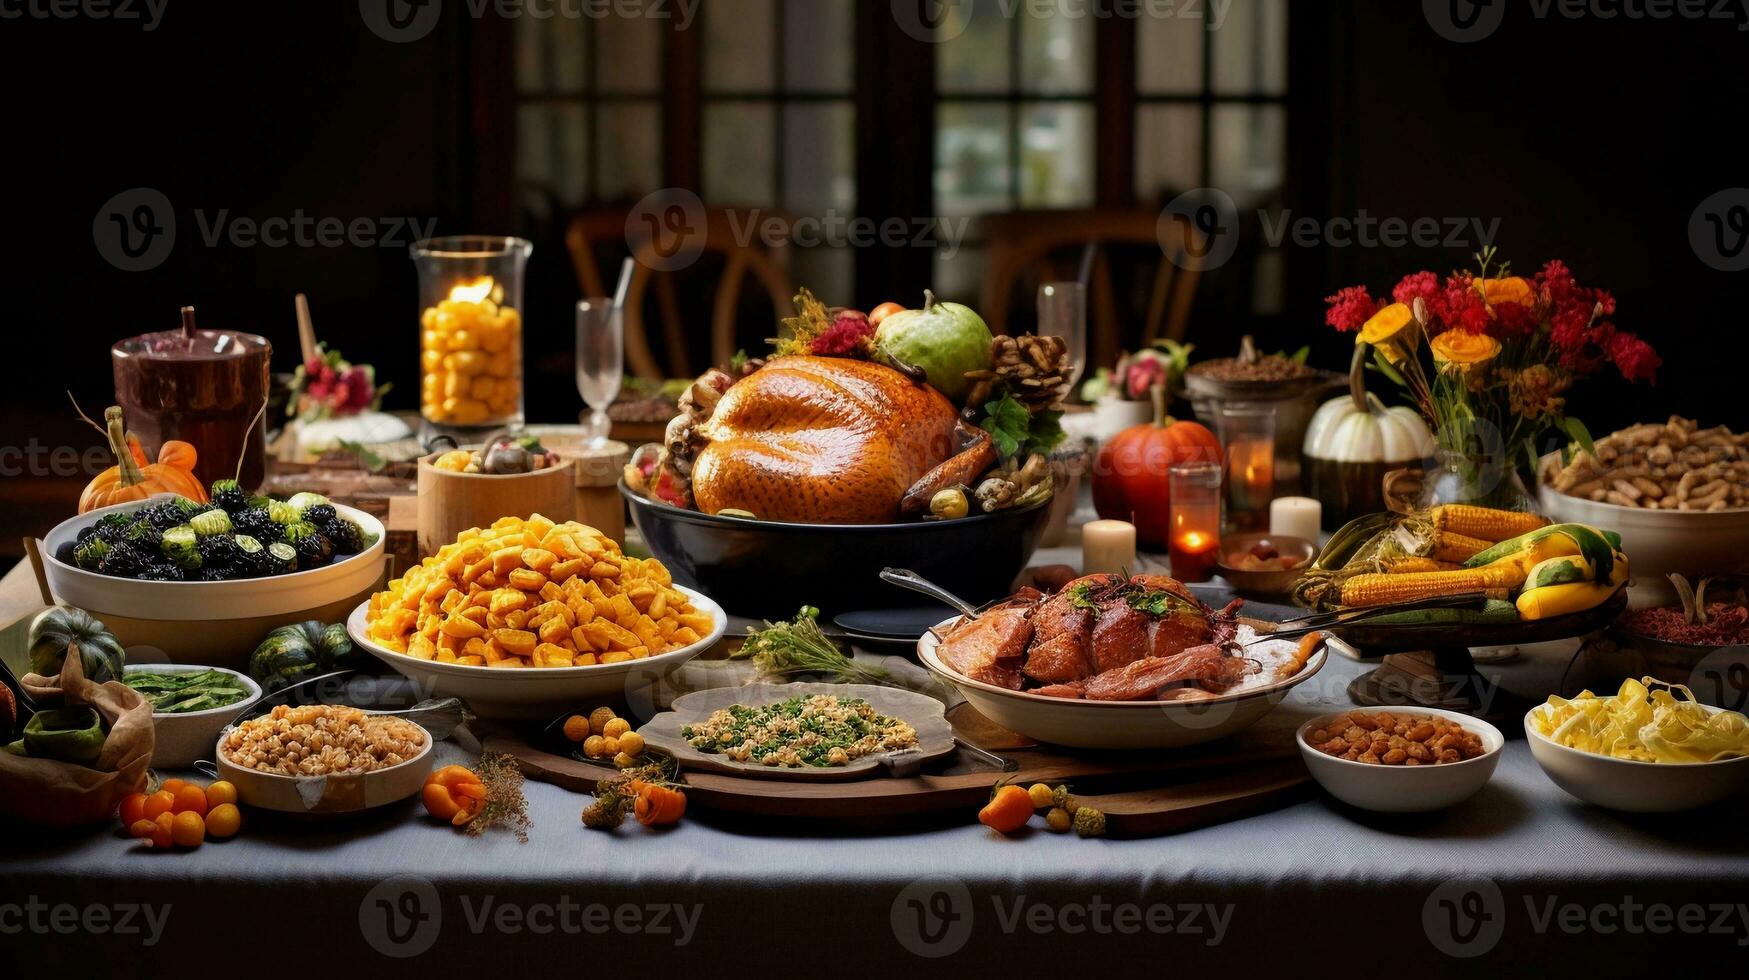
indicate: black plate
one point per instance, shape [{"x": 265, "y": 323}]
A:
[
  {"x": 769, "y": 569},
  {"x": 900, "y": 624}
]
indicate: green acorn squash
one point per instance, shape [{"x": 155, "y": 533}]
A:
[
  {"x": 293, "y": 653},
  {"x": 53, "y": 629}
]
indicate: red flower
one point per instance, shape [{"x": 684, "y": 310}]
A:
[
  {"x": 849, "y": 333},
  {"x": 1514, "y": 320},
  {"x": 1422, "y": 286},
  {"x": 1635, "y": 358},
  {"x": 1350, "y": 308},
  {"x": 1568, "y": 326},
  {"x": 1592, "y": 350},
  {"x": 1462, "y": 306}
]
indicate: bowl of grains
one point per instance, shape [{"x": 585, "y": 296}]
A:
[
  {"x": 324, "y": 759},
  {"x": 1412, "y": 760}
]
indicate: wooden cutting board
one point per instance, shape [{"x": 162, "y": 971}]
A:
[{"x": 1143, "y": 794}]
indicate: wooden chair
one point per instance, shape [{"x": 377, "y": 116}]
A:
[
  {"x": 608, "y": 230},
  {"x": 1032, "y": 245}
]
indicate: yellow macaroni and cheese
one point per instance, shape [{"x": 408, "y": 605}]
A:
[{"x": 531, "y": 593}]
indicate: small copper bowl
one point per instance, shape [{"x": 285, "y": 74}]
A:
[{"x": 1265, "y": 585}]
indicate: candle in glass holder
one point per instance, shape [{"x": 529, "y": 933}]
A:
[
  {"x": 470, "y": 338},
  {"x": 1248, "y": 437},
  {"x": 1195, "y": 539},
  {"x": 1108, "y": 546}
]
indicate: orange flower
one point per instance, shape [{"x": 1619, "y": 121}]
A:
[
  {"x": 1391, "y": 330},
  {"x": 1512, "y": 289},
  {"x": 1462, "y": 350}
]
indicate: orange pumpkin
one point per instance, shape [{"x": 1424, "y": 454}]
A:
[
  {"x": 130, "y": 479},
  {"x": 1130, "y": 476},
  {"x": 658, "y": 806}
]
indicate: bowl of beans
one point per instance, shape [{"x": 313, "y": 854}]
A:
[
  {"x": 1409, "y": 760},
  {"x": 324, "y": 759}
]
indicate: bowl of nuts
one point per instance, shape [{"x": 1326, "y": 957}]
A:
[
  {"x": 323, "y": 759},
  {"x": 1412, "y": 760},
  {"x": 1679, "y": 495}
]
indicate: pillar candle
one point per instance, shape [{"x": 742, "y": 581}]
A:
[
  {"x": 1297, "y": 517},
  {"x": 1108, "y": 546}
]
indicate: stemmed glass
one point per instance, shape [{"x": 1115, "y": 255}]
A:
[
  {"x": 1062, "y": 312},
  {"x": 600, "y": 361}
]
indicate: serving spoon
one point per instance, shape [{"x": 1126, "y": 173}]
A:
[{"x": 904, "y": 578}]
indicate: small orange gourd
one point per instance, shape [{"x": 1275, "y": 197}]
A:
[
  {"x": 658, "y": 806},
  {"x": 131, "y": 480}
]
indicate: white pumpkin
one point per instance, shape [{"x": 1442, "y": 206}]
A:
[{"x": 1341, "y": 432}]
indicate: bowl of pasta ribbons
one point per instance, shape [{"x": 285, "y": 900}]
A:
[{"x": 1650, "y": 748}]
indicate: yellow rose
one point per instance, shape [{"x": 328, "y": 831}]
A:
[
  {"x": 1391, "y": 330},
  {"x": 1463, "y": 350},
  {"x": 1512, "y": 289}
]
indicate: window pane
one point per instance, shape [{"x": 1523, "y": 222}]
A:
[
  {"x": 819, "y": 158},
  {"x": 1248, "y": 152},
  {"x": 828, "y": 272},
  {"x": 738, "y": 55},
  {"x": 1169, "y": 54},
  {"x": 972, "y": 173},
  {"x": 1056, "y": 54},
  {"x": 958, "y": 276},
  {"x": 738, "y": 153},
  {"x": 551, "y": 54},
  {"x": 978, "y": 59},
  {"x": 1056, "y": 155},
  {"x": 628, "y": 52},
  {"x": 817, "y": 36},
  {"x": 1251, "y": 49},
  {"x": 1168, "y": 151},
  {"x": 552, "y": 152},
  {"x": 630, "y": 137}
]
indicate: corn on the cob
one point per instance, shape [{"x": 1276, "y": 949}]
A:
[
  {"x": 1416, "y": 563},
  {"x": 1454, "y": 547},
  {"x": 1379, "y": 590},
  {"x": 1485, "y": 523}
]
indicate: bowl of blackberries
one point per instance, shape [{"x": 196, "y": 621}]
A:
[{"x": 238, "y": 556}]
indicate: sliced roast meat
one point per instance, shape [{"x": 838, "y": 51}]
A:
[
  {"x": 1142, "y": 679},
  {"x": 1177, "y": 633},
  {"x": 989, "y": 648},
  {"x": 1061, "y": 658},
  {"x": 1073, "y": 691},
  {"x": 1120, "y": 636}
]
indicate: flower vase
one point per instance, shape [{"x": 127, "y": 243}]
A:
[{"x": 1485, "y": 479}]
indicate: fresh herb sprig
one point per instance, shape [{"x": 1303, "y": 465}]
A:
[{"x": 800, "y": 648}]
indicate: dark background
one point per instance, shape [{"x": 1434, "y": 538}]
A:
[{"x": 1591, "y": 139}]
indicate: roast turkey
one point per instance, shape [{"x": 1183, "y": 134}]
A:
[{"x": 821, "y": 440}]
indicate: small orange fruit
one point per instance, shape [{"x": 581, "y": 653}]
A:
[
  {"x": 576, "y": 728},
  {"x": 220, "y": 793},
  {"x": 162, "y": 827},
  {"x": 163, "y": 801},
  {"x": 172, "y": 785},
  {"x": 188, "y": 829},
  {"x": 190, "y": 799},
  {"x": 142, "y": 828},
  {"x": 132, "y": 809},
  {"x": 224, "y": 821}
]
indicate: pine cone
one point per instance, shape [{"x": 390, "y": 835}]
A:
[{"x": 1034, "y": 369}]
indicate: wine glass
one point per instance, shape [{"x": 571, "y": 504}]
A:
[
  {"x": 1062, "y": 312},
  {"x": 600, "y": 362}
]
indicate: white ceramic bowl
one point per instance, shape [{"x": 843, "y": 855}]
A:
[
  {"x": 1658, "y": 542},
  {"x": 231, "y": 617},
  {"x": 538, "y": 692},
  {"x": 326, "y": 795},
  {"x": 180, "y": 740},
  {"x": 1114, "y": 724},
  {"x": 1404, "y": 789},
  {"x": 1636, "y": 787}
]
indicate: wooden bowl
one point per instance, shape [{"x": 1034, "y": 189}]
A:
[
  {"x": 450, "y": 502},
  {"x": 325, "y": 795},
  {"x": 1265, "y": 585}
]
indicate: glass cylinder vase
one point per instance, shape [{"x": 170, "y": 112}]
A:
[
  {"x": 1195, "y": 522},
  {"x": 470, "y": 336}
]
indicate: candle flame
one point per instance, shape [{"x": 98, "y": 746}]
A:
[{"x": 472, "y": 290}]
